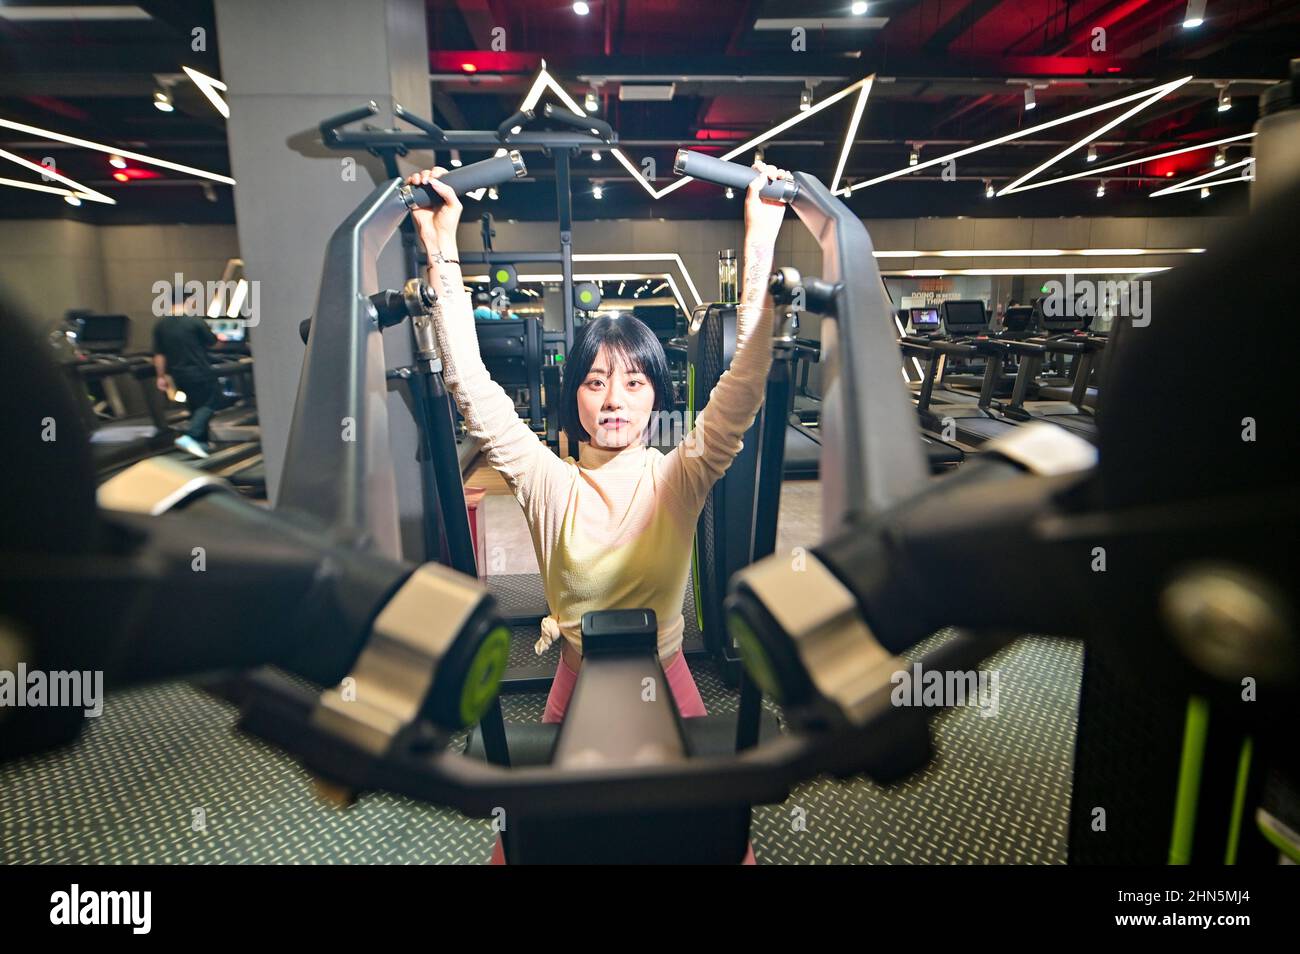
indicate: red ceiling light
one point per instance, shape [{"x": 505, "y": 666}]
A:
[
  {"x": 1113, "y": 69},
  {"x": 469, "y": 67},
  {"x": 130, "y": 173},
  {"x": 1169, "y": 173}
]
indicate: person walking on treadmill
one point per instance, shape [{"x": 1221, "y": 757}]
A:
[
  {"x": 180, "y": 350},
  {"x": 613, "y": 524},
  {"x": 483, "y": 310}
]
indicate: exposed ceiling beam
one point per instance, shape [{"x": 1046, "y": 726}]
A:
[
  {"x": 479, "y": 20},
  {"x": 965, "y": 20}
]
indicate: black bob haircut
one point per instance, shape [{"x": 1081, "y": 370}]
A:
[{"x": 635, "y": 344}]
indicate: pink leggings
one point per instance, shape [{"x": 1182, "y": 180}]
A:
[{"x": 680, "y": 682}]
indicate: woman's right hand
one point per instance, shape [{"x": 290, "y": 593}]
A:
[{"x": 437, "y": 226}]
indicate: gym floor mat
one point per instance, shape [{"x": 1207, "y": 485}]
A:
[{"x": 163, "y": 776}]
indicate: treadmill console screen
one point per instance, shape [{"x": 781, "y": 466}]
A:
[
  {"x": 102, "y": 329},
  {"x": 1019, "y": 318},
  {"x": 964, "y": 316},
  {"x": 661, "y": 319},
  {"x": 228, "y": 329},
  {"x": 925, "y": 320}
]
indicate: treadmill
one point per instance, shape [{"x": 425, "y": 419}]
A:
[
  {"x": 1067, "y": 336},
  {"x": 959, "y": 375},
  {"x": 968, "y": 420},
  {"x": 942, "y": 456}
]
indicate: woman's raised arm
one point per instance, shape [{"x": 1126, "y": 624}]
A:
[
  {"x": 708, "y": 450},
  {"x": 511, "y": 447}
]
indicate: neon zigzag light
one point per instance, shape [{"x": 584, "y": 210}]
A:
[
  {"x": 1133, "y": 162},
  {"x": 1148, "y": 97},
  {"x": 79, "y": 190},
  {"x": 1197, "y": 182},
  {"x": 1158, "y": 93},
  {"x": 112, "y": 150},
  {"x": 545, "y": 81}
]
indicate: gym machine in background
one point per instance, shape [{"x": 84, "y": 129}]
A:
[{"x": 444, "y": 526}]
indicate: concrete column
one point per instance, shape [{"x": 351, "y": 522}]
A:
[{"x": 288, "y": 65}]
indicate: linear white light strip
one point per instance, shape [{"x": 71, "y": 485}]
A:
[
  {"x": 208, "y": 87},
  {"x": 1034, "y": 252},
  {"x": 1159, "y": 93},
  {"x": 636, "y": 173},
  {"x": 546, "y": 81},
  {"x": 535, "y": 92},
  {"x": 678, "y": 295},
  {"x": 919, "y": 375},
  {"x": 1109, "y": 270},
  {"x": 1206, "y": 185},
  {"x": 113, "y": 151},
  {"x": 1178, "y": 186},
  {"x": 786, "y": 24},
  {"x": 1020, "y": 134},
  {"x": 35, "y": 187},
  {"x": 1134, "y": 162},
  {"x": 78, "y": 12},
  {"x": 779, "y": 128},
  {"x": 853, "y": 131},
  {"x": 237, "y": 299},
  {"x": 643, "y": 257},
  {"x": 80, "y": 190}
]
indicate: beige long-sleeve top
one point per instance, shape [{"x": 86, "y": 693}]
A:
[{"x": 613, "y": 529}]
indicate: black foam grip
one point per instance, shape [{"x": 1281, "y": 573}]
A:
[
  {"x": 699, "y": 166},
  {"x": 477, "y": 175}
]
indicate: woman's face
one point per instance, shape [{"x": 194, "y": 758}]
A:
[{"x": 614, "y": 402}]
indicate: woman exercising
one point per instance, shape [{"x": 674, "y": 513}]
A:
[{"x": 613, "y": 529}]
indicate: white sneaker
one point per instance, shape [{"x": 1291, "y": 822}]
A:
[{"x": 191, "y": 446}]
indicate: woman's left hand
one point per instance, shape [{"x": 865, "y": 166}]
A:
[{"x": 763, "y": 216}]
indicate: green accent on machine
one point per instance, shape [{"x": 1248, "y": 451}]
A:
[
  {"x": 586, "y": 296},
  {"x": 754, "y": 656},
  {"x": 505, "y": 277},
  {"x": 695, "y": 545},
  {"x": 483, "y": 677},
  {"x": 1239, "y": 799},
  {"x": 1284, "y": 841},
  {"x": 1195, "y": 731}
]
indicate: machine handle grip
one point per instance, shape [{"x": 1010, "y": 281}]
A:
[
  {"x": 720, "y": 172},
  {"x": 477, "y": 175}
]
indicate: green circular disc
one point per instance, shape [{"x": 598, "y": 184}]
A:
[
  {"x": 484, "y": 676},
  {"x": 503, "y": 276},
  {"x": 753, "y": 656},
  {"x": 585, "y": 296}
]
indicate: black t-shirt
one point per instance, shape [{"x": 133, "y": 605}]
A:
[{"x": 183, "y": 340}]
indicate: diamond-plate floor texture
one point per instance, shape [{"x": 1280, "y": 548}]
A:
[{"x": 163, "y": 776}]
